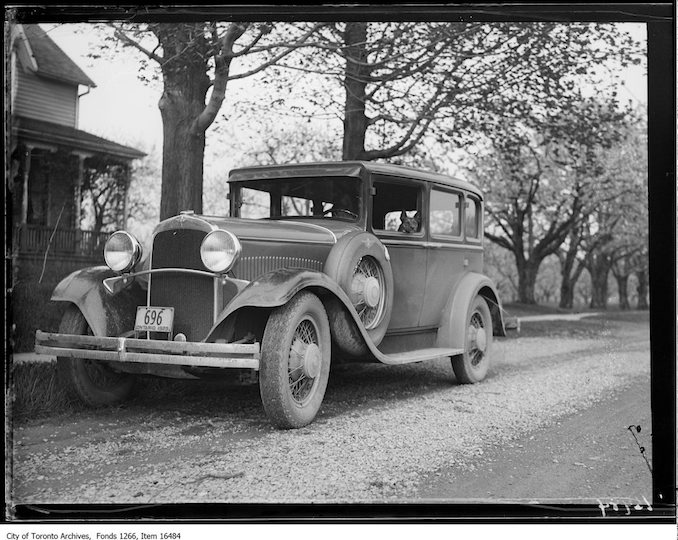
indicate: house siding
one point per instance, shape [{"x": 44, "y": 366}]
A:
[{"x": 46, "y": 100}]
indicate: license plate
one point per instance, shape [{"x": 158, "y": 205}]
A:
[{"x": 154, "y": 319}]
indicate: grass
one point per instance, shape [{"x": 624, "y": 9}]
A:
[
  {"x": 517, "y": 309},
  {"x": 587, "y": 328},
  {"x": 37, "y": 392},
  {"x": 527, "y": 310},
  {"x": 33, "y": 310}
]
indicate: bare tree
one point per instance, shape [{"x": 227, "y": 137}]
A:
[
  {"x": 103, "y": 192},
  {"x": 196, "y": 59},
  {"x": 403, "y": 81}
]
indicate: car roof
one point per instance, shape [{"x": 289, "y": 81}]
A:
[{"x": 360, "y": 169}]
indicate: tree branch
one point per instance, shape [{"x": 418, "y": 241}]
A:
[{"x": 118, "y": 33}]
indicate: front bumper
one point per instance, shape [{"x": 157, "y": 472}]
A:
[{"x": 176, "y": 353}]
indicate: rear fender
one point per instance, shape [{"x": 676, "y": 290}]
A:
[
  {"x": 452, "y": 331},
  {"x": 107, "y": 314}
]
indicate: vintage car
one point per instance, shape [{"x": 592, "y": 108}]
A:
[{"x": 318, "y": 263}]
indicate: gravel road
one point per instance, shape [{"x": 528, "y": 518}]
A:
[{"x": 383, "y": 432}]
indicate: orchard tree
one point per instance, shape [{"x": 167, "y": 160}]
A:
[
  {"x": 624, "y": 267},
  {"x": 613, "y": 228},
  {"x": 194, "y": 60},
  {"x": 537, "y": 186},
  {"x": 620, "y": 236}
]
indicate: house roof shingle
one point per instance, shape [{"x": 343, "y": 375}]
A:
[
  {"x": 51, "y": 60},
  {"x": 39, "y": 131}
]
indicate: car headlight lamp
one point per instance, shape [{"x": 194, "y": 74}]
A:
[
  {"x": 220, "y": 250},
  {"x": 122, "y": 251}
]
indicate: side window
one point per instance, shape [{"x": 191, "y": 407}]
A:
[
  {"x": 445, "y": 213},
  {"x": 254, "y": 204},
  {"x": 396, "y": 207},
  {"x": 472, "y": 218}
]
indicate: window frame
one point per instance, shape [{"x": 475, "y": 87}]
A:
[
  {"x": 422, "y": 207},
  {"x": 275, "y": 201},
  {"x": 462, "y": 214},
  {"x": 469, "y": 198}
]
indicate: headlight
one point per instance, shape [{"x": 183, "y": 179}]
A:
[
  {"x": 122, "y": 251},
  {"x": 219, "y": 251}
]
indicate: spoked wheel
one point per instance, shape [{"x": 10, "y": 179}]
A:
[
  {"x": 295, "y": 361},
  {"x": 91, "y": 381},
  {"x": 473, "y": 365},
  {"x": 368, "y": 291}
]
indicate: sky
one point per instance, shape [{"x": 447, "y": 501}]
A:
[{"x": 125, "y": 110}]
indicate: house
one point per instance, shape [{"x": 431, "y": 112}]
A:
[
  {"x": 67, "y": 186},
  {"x": 66, "y": 189}
]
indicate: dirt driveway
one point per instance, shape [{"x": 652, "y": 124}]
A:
[{"x": 549, "y": 424}]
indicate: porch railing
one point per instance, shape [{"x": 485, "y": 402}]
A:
[{"x": 28, "y": 239}]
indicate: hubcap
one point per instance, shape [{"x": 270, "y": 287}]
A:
[
  {"x": 476, "y": 338},
  {"x": 481, "y": 339},
  {"x": 312, "y": 361},
  {"x": 371, "y": 292},
  {"x": 367, "y": 291}
]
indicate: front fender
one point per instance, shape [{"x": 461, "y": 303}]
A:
[
  {"x": 453, "y": 326},
  {"x": 107, "y": 314},
  {"x": 276, "y": 288}
]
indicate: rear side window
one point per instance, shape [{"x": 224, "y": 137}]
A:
[
  {"x": 445, "y": 213},
  {"x": 472, "y": 218}
]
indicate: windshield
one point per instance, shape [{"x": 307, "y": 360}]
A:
[{"x": 317, "y": 197}]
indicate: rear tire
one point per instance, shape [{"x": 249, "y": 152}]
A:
[
  {"x": 90, "y": 381},
  {"x": 472, "y": 366},
  {"x": 295, "y": 361}
]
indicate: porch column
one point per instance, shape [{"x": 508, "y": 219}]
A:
[
  {"x": 77, "y": 200},
  {"x": 77, "y": 189},
  {"x": 125, "y": 201},
  {"x": 27, "y": 169}
]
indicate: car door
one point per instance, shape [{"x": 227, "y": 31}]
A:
[
  {"x": 396, "y": 210},
  {"x": 454, "y": 247}
]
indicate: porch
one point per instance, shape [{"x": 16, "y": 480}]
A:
[{"x": 31, "y": 239}]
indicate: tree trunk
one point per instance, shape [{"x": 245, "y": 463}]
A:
[
  {"x": 642, "y": 290},
  {"x": 355, "y": 83},
  {"x": 570, "y": 272},
  {"x": 599, "y": 270},
  {"x": 566, "y": 293},
  {"x": 623, "y": 290},
  {"x": 527, "y": 279},
  {"x": 183, "y": 100}
]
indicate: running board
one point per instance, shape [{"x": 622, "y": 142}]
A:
[{"x": 418, "y": 355}]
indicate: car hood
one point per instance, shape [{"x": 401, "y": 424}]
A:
[{"x": 325, "y": 231}]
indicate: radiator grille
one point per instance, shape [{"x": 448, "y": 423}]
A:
[
  {"x": 192, "y": 297},
  {"x": 250, "y": 268}
]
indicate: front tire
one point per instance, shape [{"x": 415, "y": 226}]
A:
[
  {"x": 90, "y": 381},
  {"x": 472, "y": 366},
  {"x": 295, "y": 361}
]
